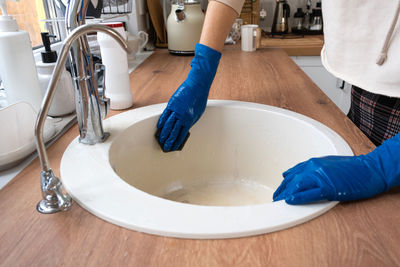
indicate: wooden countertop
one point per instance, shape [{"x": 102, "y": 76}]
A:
[
  {"x": 309, "y": 45},
  {"x": 363, "y": 233}
]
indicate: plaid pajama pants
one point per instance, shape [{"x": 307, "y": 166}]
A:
[{"x": 377, "y": 116}]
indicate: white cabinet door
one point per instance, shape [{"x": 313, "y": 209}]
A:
[{"x": 328, "y": 83}]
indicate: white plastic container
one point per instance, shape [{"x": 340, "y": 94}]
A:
[
  {"x": 115, "y": 60},
  {"x": 17, "y": 65},
  {"x": 63, "y": 102},
  {"x": 136, "y": 43}
]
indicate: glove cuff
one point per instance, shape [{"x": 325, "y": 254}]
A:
[
  {"x": 386, "y": 158},
  {"x": 204, "y": 66}
]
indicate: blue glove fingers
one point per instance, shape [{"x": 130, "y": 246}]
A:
[
  {"x": 169, "y": 143},
  {"x": 282, "y": 188},
  {"x": 168, "y": 126},
  {"x": 299, "y": 184},
  {"x": 304, "y": 197},
  {"x": 181, "y": 137},
  {"x": 296, "y": 184},
  {"x": 289, "y": 175},
  {"x": 163, "y": 118},
  {"x": 278, "y": 197},
  {"x": 298, "y": 168}
]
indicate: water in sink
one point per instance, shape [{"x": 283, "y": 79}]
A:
[
  {"x": 232, "y": 158},
  {"x": 221, "y": 193}
]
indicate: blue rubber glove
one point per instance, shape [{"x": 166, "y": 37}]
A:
[
  {"x": 188, "y": 103},
  {"x": 343, "y": 178}
]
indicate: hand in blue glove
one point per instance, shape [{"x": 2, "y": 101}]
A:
[
  {"x": 343, "y": 178},
  {"x": 189, "y": 101}
]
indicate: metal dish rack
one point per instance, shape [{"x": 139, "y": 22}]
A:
[{"x": 117, "y": 6}]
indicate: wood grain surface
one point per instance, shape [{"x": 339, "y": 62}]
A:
[
  {"x": 362, "y": 233},
  {"x": 309, "y": 45},
  {"x": 26, "y": 14}
]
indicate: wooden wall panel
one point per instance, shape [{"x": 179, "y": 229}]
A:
[{"x": 26, "y": 14}]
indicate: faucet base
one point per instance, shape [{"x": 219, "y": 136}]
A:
[
  {"x": 92, "y": 141},
  {"x": 54, "y": 200},
  {"x": 47, "y": 207}
]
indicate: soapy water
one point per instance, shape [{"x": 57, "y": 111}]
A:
[{"x": 228, "y": 193}]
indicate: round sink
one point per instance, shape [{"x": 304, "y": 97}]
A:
[{"x": 219, "y": 186}]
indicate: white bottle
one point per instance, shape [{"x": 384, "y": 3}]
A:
[
  {"x": 63, "y": 101},
  {"x": 115, "y": 60},
  {"x": 17, "y": 65}
]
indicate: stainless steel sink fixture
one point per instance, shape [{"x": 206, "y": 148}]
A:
[{"x": 91, "y": 105}]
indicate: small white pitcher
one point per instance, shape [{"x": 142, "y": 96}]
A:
[{"x": 136, "y": 43}]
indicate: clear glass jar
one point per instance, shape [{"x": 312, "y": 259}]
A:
[
  {"x": 316, "y": 24},
  {"x": 298, "y": 20},
  {"x": 298, "y": 23}
]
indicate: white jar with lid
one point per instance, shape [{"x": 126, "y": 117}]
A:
[{"x": 115, "y": 61}]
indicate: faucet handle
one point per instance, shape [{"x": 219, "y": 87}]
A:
[{"x": 100, "y": 72}]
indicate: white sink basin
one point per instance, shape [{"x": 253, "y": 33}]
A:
[{"x": 219, "y": 186}]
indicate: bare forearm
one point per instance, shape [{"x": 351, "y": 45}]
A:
[{"x": 218, "y": 22}]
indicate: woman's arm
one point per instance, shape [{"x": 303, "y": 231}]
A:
[{"x": 218, "y": 22}]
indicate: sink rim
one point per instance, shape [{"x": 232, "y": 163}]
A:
[{"x": 151, "y": 214}]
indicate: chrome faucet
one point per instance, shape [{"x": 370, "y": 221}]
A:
[{"x": 91, "y": 106}]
